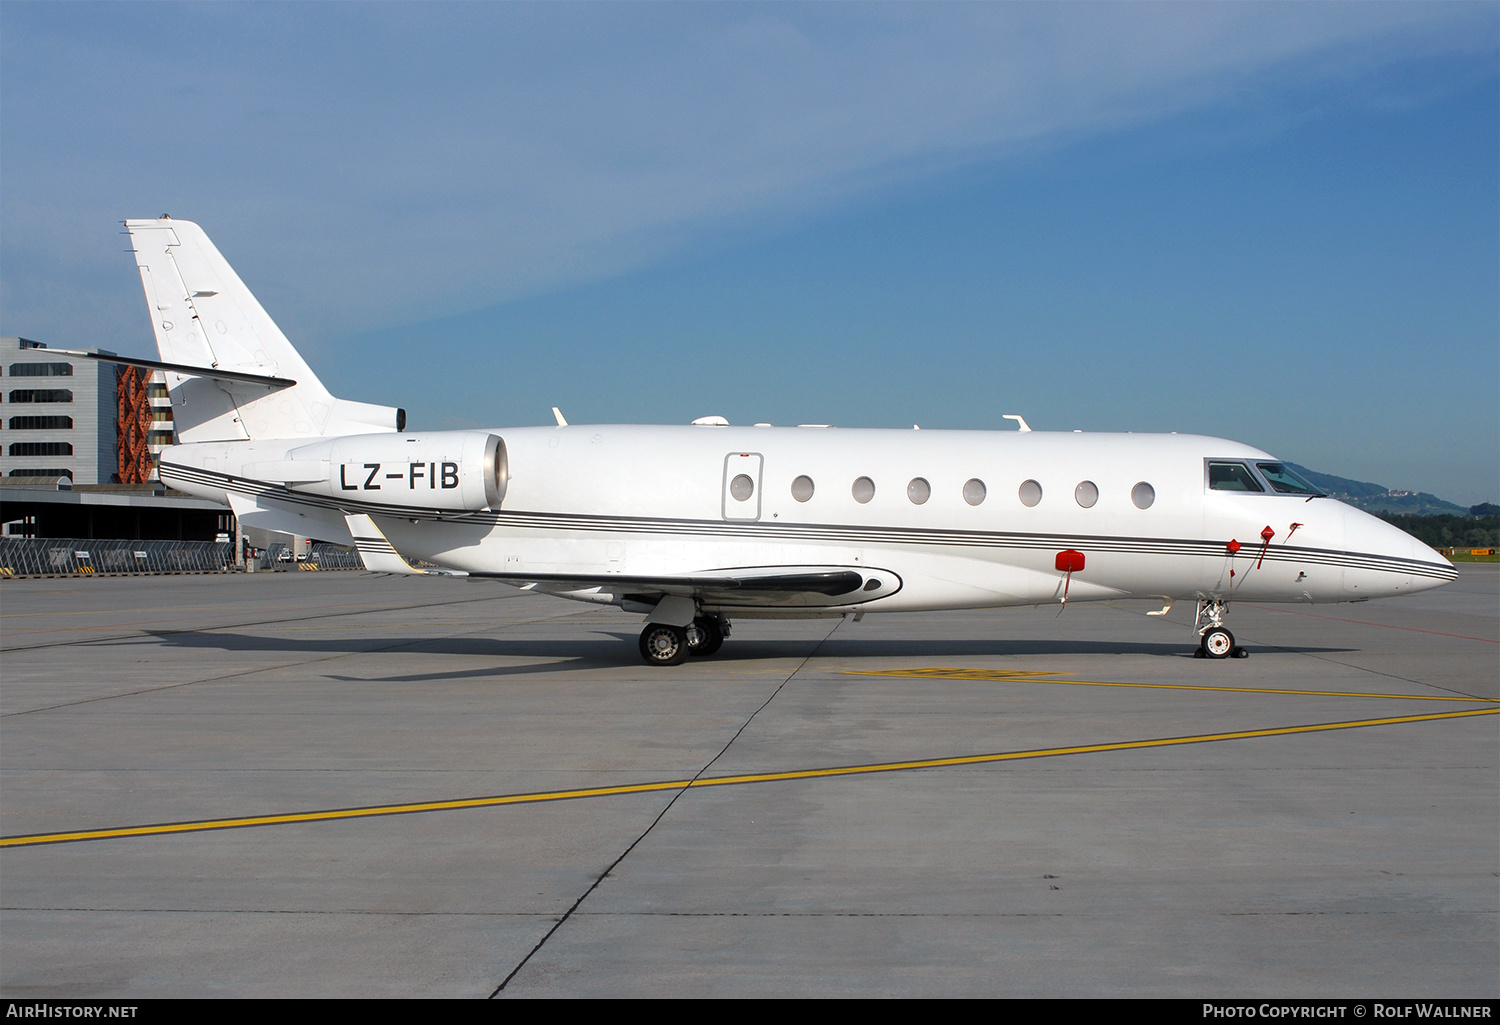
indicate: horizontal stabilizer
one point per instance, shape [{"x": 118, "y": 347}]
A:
[{"x": 216, "y": 374}]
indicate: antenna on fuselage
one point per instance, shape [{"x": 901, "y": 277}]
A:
[{"x": 1020, "y": 421}]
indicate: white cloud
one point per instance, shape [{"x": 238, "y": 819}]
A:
[{"x": 374, "y": 164}]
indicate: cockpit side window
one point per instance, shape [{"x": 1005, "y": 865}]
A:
[
  {"x": 1231, "y": 477},
  {"x": 1286, "y": 482}
]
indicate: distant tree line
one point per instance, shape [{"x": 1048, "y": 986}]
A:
[{"x": 1449, "y": 531}]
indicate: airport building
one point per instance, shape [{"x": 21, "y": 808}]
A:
[
  {"x": 80, "y": 442},
  {"x": 80, "y": 446},
  {"x": 79, "y": 419}
]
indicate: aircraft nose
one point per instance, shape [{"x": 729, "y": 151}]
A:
[{"x": 1384, "y": 560}]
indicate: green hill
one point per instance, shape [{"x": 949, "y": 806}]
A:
[{"x": 1377, "y": 498}]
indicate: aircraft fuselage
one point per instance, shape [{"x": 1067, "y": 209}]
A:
[{"x": 996, "y": 509}]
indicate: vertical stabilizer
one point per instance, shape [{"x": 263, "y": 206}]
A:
[{"x": 203, "y": 315}]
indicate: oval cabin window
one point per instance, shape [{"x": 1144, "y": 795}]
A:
[
  {"x": 1086, "y": 494},
  {"x": 863, "y": 490},
  {"x": 1030, "y": 493},
  {"x": 974, "y": 491},
  {"x": 1143, "y": 495},
  {"x": 741, "y": 488},
  {"x": 802, "y": 488},
  {"x": 919, "y": 491}
]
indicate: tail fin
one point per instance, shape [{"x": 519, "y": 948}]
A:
[{"x": 204, "y": 316}]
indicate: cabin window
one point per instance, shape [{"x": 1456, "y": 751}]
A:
[
  {"x": 974, "y": 491},
  {"x": 741, "y": 488},
  {"x": 802, "y": 488},
  {"x": 918, "y": 490},
  {"x": 1287, "y": 482},
  {"x": 863, "y": 490},
  {"x": 1030, "y": 493},
  {"x": 1086, "y": 494},
  {"x": 1232, "y": 477},
  {"x": 1143, "y": 495}
]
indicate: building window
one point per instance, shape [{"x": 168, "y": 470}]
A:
[
  {"x": 35, "y": 472},
  {"x": 41, "y": 370},
  {"x": 41, "y": 423},
  {"x": 41, "y": 395},
  {"x": 41, "y": 448}
]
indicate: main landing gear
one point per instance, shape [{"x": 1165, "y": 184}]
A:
[
  {"x": 665, "y": 645},
  {"x": 1214, "y": 640}
]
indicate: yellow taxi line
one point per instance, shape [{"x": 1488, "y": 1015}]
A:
[
  {"x": 371, "y": 811},
  {"x": 1022, "y": 676}
]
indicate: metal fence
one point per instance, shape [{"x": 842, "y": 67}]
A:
[
  {"x": 25, "y": 556},
  {"x": 327, "y": 556},
  {"x": 21, "y": 556}
]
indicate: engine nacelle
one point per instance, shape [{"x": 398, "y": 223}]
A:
[{"x": 445, "y": 471}]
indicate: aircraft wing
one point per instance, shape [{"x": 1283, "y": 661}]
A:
[{"x": 761, "y": 587}]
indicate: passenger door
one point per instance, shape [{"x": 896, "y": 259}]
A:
[{"x": 742, "y": 486}]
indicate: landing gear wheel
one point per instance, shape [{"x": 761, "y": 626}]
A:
[
  {"x": 664, "y": 645},
  {"x": 710, "y": 637},
  {"x": 1218, "y": 642}
]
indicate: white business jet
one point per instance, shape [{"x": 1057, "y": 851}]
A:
[{"x": 692, "y": 525}]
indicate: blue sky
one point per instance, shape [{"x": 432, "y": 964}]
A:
[{"x": 1275, "y": 223}]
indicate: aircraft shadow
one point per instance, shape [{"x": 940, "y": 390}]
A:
[{"x": 613, "y": 650}]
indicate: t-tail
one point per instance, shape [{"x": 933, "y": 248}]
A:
[
  {"x": 231, "y": 373},
  {"x": 256, "y": 428}
]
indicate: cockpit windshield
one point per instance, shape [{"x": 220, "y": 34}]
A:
[
  {"x": 1287, "y": 482},
  {"x": 1232, "y": 477}
]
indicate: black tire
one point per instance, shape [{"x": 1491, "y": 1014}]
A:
[
  {"x": 664, "y": 645},
  {"x": 1218, "y": 642},
  {"x": 711, "y": 637}
]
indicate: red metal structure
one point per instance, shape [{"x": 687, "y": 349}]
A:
[{"x": 132, "y": 423}]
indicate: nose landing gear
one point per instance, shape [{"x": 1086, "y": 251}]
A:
[{"x": 1214, "y": 640}]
